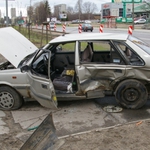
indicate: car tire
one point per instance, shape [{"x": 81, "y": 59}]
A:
[
  {"x": 10, "y": 99},
  {"x": 131, "y": 94}
]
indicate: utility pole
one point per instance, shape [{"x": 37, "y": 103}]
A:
[
  {"x": 133, "y": 14},
  {"x": 29, "y": 20},
  {"x": 6, "y": 13}
]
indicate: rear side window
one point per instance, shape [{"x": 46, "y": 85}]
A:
[{"x": 128, "y": 53}]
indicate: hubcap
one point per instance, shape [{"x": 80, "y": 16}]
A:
[
  {"x": 131, "y": 95},
  {"x": 6, "y": 100}
]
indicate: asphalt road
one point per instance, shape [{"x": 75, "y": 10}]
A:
[{"x": 138, "y": 32}]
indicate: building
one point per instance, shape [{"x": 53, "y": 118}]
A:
[
  {"x": 60, "y": 11},
  {"x": 120, "y": 10},
  {"x": 13, "y": 12},
  {"x": 13, "y": 15}
]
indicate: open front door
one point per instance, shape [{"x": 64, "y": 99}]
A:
[{"x": 41, "y": 87}]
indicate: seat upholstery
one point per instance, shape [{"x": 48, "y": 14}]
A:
[
  {"x": 87, "y": 54},
  {"x": 128, "y": 53}
]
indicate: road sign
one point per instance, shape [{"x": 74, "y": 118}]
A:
[{"x": 126, "y": 1}]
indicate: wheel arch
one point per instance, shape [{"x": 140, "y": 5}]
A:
[
  {"x": 131, "y": 93},
  {"x": 11, "y": 87},
  {"x": 10, "y": 98},
  {"x": 125, "y": 80}
]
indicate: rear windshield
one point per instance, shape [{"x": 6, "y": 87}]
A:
[{"x": 140, "y": 43}]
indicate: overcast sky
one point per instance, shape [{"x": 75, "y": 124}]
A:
[{"x": 21, "y": 5}]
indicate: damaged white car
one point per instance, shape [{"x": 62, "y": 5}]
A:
[{"x": 74, "y": 67}]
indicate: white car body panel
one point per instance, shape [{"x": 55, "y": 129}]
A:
[
  {"x": 47, "y": 74},
  {"x": 14, "y": 46},
  {"x": 93, "y": 36}
]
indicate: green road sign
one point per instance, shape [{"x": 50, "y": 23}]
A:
[
  {"x": 20, "y": 22},
  {"x": 126, "y": 1}
]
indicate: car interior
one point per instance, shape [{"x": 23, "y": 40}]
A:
[{"x": 62, "y": 63}]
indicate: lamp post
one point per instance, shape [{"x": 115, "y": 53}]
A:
[
  {"x": 133, "y": 14},
  {"x": 6, "y": 13}
]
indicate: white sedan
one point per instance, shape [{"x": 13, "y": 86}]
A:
[
  {"x": 74, "y": 67},
  {"x": 140, "y": 21}
]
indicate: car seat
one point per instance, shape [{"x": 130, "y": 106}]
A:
[
  {"x": 128, "y": 53},
  {"x": 87, "y": 54}
]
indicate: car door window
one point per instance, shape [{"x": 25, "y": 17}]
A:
[
  {"x": 40, "y": 64},
  {"x": 102, "y": 52},
  {"x": 107, "y": 53},
  {"x": 132, "y": 57},
  {"x": 64, "y": 57},
  {"x": 65, "y": 47}
]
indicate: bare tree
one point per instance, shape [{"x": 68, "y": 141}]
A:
[
  {"x": 70, "y": 13},
  {"x": 42, "y": 11},
  {"x": 70, "y": 10},
  {"x": 78, "y": 8},
  {"x": 30, "y": 13},
  {"x": 89, "y": 8},
  {"x": 47, "y": 9}
]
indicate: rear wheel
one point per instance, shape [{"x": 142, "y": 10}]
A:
[
  {"x": 131, "y": 94},
  {"x": 9, "y": 99}
]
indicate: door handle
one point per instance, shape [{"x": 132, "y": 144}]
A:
[
  {"x": 118, "y": 70},
  {"x": 44, "y": 86}
]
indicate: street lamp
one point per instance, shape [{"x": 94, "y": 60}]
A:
[
  {"x": 6, "y": 13},
  {"x": 133, "y": 14}
]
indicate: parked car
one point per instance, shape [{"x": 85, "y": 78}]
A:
[
  {"x": 52, "y": 24},
  {"x": 140, "y": 21},
  {"x": 87, "y": 21},
  {"x": 74, "y": 67},
  {"x": 87, "y": 27},
  {"x": 77, "y": 21},
  {"x": 58, "y": 22}
]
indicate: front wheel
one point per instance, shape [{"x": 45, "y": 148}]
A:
[
  {"x": 9, "y": 99},
  {"x": 131, "y": 94}
]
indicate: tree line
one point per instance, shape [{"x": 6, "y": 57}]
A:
[{"x": 39, "y": 12}]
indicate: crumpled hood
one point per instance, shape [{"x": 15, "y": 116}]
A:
[{"x": 14, "y": 46}]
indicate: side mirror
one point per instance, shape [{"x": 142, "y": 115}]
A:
[{"x": 25, "y": 68}]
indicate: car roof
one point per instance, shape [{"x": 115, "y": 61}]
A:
[{"x": 89, "y": 36}]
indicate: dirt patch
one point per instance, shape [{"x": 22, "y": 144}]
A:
[
  {"x": 126, "y": 137},
  {"x": 133, "y": 136}
]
